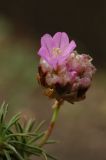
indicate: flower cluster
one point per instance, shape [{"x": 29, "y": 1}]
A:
[{"x": 64, "y": 73}]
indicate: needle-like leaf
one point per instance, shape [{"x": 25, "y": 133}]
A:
[{"x": 7, "y": 155}]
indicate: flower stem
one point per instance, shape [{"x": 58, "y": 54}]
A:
[{"x": 47, "y": 134}]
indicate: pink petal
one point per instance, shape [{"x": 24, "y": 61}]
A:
[
  {"x": 64, "y": 41},
  {"x": 57, "y": 39},
  {"x": 67, "y": 52},
  {"x": 54, "y": 63},
  {"x": 43, "y": 52},
  {"x": 70, "y": 48},
  {"x": 47, "y": 42},
  {"x": 61, "y": 40}
]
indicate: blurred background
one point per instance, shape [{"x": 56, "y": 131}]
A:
[{"x": 81, "y": 128}]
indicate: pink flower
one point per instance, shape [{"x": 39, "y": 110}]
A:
[
  {"x": 63, "y": 72},
  {"x": 55, "y": 50}
]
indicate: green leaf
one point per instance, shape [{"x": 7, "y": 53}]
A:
[
  {"x": 44, "y": 155},
  {"x": 29, "y": 126},
  {"x": 18, "y": 127},
  {"x": 39, "y": 126},
  {"x": 21, "y": 135},
  {"x": 12, "y": 148},
  {"x": 3, "y": 111},
  {"x": 32, "y": 140},
  {"x": 7, "y": 155},
  {"x": 19, "y": 140},
  {"x": 51, "y": 157},
  {"x": 13, "y": 120},
  {"x": 36, "y": 148},
  {"x": 51, "y": 142}
]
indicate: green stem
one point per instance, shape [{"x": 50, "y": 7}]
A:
[{"x": 47, "y": 134}]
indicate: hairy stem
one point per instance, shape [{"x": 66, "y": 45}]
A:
[{"x": 56, "y": 107}]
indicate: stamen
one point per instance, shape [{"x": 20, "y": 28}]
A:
[{"x": 56, "y": 51}]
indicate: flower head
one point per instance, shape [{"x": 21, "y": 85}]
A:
[
  {"x": 56, "y": 49},
  {"x": 64, "y": 73}
]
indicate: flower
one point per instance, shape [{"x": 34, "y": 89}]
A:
[
  {"x": 67, "y": 75},
  {"x": 56, "y": 49}
]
